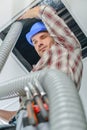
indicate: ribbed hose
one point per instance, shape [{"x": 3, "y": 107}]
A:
[
  {"x": 16, "y": 86},
  {"x": 66, "y": 110},
  {"x": 9, "y": 42}
]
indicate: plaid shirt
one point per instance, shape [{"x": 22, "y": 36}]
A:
[{"x": 65, "y": 54}]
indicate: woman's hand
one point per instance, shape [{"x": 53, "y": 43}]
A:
[{"x": 31, "y": 13}]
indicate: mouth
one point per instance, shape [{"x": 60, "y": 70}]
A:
[{"x": 43, "y": 49}]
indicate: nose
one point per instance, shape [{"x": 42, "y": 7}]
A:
[{"x": 40, "y": 43}]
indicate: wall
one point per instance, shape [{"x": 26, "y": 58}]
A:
[{"x": 83, "y": 89}]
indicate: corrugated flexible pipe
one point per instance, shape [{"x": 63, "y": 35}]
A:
[
  {"x": 66, "y": 109},
  {"x": 9, "y": 42}
]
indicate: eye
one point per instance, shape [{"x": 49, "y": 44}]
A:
[
  {"x": 44, "y": 36},
  {"x": 34, "y": 42}
]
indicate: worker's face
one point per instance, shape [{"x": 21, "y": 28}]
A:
[{"x": 42, "y": 42}]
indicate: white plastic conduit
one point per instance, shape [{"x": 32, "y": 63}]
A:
[{"x": 9, "y": 42}]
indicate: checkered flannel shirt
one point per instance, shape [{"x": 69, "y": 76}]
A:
[{"x": 65, "y": 54}]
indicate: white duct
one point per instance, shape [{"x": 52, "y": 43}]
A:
[{"x": 9, "y": 42}]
